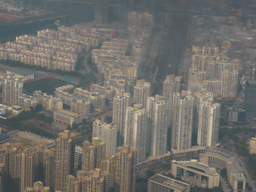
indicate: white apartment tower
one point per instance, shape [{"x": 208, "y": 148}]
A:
[
  {"x": 183, "y": 107},
  {"x": 158, "y": 125},
  {"x": 141, "y": 93},
  {"x": 208, "y": 124},
  {"x": 108, "y": 134},
  {"x": 135, "y": 130},
  {"x": 12, "y": 89},
  {"x": 120, "y": 104},
  {"x": 170, "y": 86}
]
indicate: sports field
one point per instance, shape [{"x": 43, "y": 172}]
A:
[{"x": 47, "y": 85}]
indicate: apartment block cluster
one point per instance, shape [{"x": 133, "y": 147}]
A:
[
  {"x": 113, "y": 63},
  {"x": 51, "y": 168},
  {"x": 80, "y": 101},
  {"x": 214, "y": 72},
  {"x": 142, "y": 121},
  {"x": 51, "y": 49}
]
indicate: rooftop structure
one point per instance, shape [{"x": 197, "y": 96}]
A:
[
  {"x": 186, "y": 170},
  {"x": 164, "y": 183}
]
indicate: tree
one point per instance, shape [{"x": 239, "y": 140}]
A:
[
  {"x": 223, "y": 173},
  {"x": 108, "y": 119},
  {"x": 39, "y": 107},
  {"x": 91, "y": 108}
]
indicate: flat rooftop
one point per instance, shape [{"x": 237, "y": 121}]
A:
[
  {"x": 23, "y": 139},
  {"x": 197, "y": 166},
  {"x": 169, "y": 182}
]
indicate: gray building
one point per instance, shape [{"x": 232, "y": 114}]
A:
[
  {"x": 250, "y": 100},
  {"x": 161, "y": 183}
]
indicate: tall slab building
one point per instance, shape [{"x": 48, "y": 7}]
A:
[
  {"x": 64, "y": 160},
  {"x": 183, "y": 107},
  {"x": 120, "y": 104},
  {"x": 136, "y": 129},
  {"x": 158, "y": 125},
  {"x": 141, "y": 93},
  {"x": 250, "y": 100},
  {"x": 126, "y": 161},
  {"x": 208, "y": 124},
  {"x": 170, "y": 86},
  {"x": 107, "y": 133}
]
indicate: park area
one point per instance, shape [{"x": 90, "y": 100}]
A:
[{"x": 46, "y": 85}]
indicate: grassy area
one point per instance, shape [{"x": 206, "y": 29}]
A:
[{"x": 47, "y": 85}]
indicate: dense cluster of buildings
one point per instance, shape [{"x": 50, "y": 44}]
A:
[
  {"x": 214, "y": 72},
  {"x": 57, "y": 50},
  {"x": 29, "y": 159}
]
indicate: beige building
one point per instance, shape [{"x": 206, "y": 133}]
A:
[
  {"x": 38, "y": 187},
  {"x": 108, "y": 164},
  {"x": 95, "y": 181},
  {"x": 126, "y": 161},
  {"x": 66, "y": 117},
  {"x": 63, "y": 160},
  {"x": 252, "y": 148},
  {"x": 217, "y": 158},
  {"x": 195, "y": 173},
  {"x": 161, "y": 183},
  {"x": 93, "y": 153}
]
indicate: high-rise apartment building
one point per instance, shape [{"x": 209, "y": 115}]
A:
[
  {"x": 107, "y": 133},
  {"x": 64, "y": 159},
  {"x": 195, "y": 76},
  {"x": 170, "y": 86},
  {"x": 21, "y": 168},
  {"x": 208, "y": 124},
  {"x": 141, "y": 93},
  {"x": 74, "y": 184},
  {"x": 120, "y": 104},
  {"x": 250, "y": 100},
  {"x": 108, "y": 164},
  {"x": 183, "y": 107},
  {"x": 126, "y": 160},
  {"x": 158, "y": 125},
  {"x": 38, "y": 187},
  {"x": 95, "y": 181},
  {"x": 136, "y": 130},
  {"x": 49, "y": 167},
  {"x": 93, "y": 153},
  {"x": 12, "y": 88},
  {"x": 229, "y": 83}
]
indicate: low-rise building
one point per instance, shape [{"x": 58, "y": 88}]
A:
[
  {"x": 27, "y": 101},
  {"x": 66, "y": 117},
  {"x": 236, "y": 178},
  {"x": 196, "y": 173},
  {"x": 161, "y": 183}
]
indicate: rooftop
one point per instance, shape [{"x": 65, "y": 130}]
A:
[
  {"x": 169, "y": 182},
  {"x": 195, "y": 165},
  {"x": 23, "y": 139}
]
